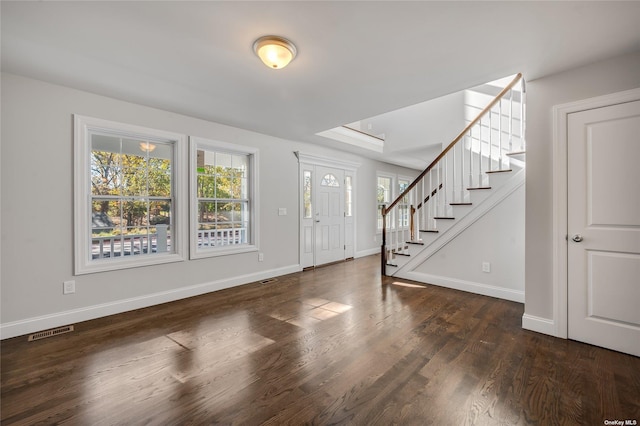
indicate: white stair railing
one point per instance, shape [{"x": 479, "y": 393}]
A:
[{"x": 483, "y": 147}]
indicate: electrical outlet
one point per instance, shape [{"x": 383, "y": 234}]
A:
[
  {"x": 68, "y": 287},
  {"x": 260, "y": 257},
  {"x": 486, "y": 267}
]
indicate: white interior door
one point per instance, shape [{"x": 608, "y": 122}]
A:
[
  {"x": 329, "y": 215},
  {"x": 604, "y": 227}
]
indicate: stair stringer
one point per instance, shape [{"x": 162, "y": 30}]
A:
[{"x": 418, "y": 257}]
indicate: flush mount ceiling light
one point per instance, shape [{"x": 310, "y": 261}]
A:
[{"x": 276, "y": 52}]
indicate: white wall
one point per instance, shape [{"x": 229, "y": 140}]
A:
[
  {"x": 609, "y": 76},
  {"x": 497, "y": 238},
  {"x": 37, "y": 206}
]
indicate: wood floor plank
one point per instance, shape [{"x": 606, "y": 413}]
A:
[{"x": 335, "y": 345}]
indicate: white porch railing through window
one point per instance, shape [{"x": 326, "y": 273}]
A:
[
  {"x": 160, "y": 242},
  {"x": 222, "y": 237}
]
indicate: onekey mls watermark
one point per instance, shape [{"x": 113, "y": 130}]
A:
[{"x": 627, "y": 422}]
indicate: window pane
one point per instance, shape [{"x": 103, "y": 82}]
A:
[
  {"x": 240, "y": 164},
  {"x": 223, "y": 163},
  {"x": 347, "y": 197},
  {"x": 105, "y": 173},
  {"x": 206, "y": 187},
  {"x": 206, "y": 211},
  {"x": 159, "y": 183},
  {"x": 105, "y": 217},
  {"x": 330, "y": 180},
  {"x": 134, "y": 182},
  {"x": 223, "y": 214},
  {"x": 307, "y": 194},
  {"x": 160, "y": 212},
  {"x": 238, "y": 188},
  {"x": 384, "y": 189},
  {"x": 135, "y": 214}
]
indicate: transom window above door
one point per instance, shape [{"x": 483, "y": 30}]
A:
[{"x": 330, "y": 180}]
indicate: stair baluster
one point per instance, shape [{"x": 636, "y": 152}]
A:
[{"x": 437, "y": 187}]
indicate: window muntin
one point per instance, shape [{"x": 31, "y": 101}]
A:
[
  {"x": 222, "y": 198},
  {"x": 125, "y": 196}
]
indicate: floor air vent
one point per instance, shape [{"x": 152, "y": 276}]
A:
[{"x": 50, "y": 333}]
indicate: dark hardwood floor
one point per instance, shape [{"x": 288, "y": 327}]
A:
[{"x": 329, "y": 346}]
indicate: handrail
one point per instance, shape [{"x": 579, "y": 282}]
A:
[{"x": 495, "y": 100}]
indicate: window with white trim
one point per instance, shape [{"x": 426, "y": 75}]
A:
[
  {"x": 223, "y": 198},
  {"x": 384, "y": 188},
  {"x": 126, "y": 208}
]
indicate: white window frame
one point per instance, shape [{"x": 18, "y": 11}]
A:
[
  {"x": 254, "y": 202},
  {"x": 392, "y": 187},
  {"x": 83, "y": 262}
]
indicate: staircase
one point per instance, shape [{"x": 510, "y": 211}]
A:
[{"x": 482, "y": 166}]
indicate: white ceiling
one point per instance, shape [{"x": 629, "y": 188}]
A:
[{"x": 355, "y": 59}]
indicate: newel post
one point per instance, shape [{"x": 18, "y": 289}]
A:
[{"x": 383, "y": 251}]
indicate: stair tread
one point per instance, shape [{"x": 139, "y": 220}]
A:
[
  {"x": 499, "y": 171},
  {"x": 415, "y": 243},
  {"x": 460, "y": 204},
  {"x": 479, "y": 187},
  {"x": 402, "y": 254},
  {"x": 516, "y": 153},
  {"x": 444, "y": 217},
  {"x": 429, "y": 230},
  {"x": 392, "y": 264}
]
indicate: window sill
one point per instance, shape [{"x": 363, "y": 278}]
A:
[
  {"x": 107, "y": 265},
  {"x": 222, "y": 251}
]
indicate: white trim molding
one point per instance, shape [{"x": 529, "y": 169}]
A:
[
  {"x": 367, "y": 252},
  {"x": 350, "y": 168},
  {"x": 560, "y": 193},
  {"x": 83, "y": 126},
  {"x": 468, "y": 286},
  {"x": 539, "y": 325},
  {"x": 318, "y": 160},
  {"x": 35, "y": 324}
]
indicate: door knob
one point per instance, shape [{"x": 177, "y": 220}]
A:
[{"x": 577, "y": 238}]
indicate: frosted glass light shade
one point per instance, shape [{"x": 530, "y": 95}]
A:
[{"x": 276, "y": 52}]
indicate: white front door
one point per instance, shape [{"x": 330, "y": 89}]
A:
[
  {"x": 329, "y": 215},
  {"x": 604, "y": 227}
]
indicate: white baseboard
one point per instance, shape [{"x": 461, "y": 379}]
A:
[
  {"x": 367, "y": 252},
  {"x": 31, "y": 325},
  {"x": 539, "y": 325},
  {"x": 471, "y": 287}
]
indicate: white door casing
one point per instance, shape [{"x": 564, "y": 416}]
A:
[
  {"x": 311, "y": 168},
  {"x": 603, "y": 224}
]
